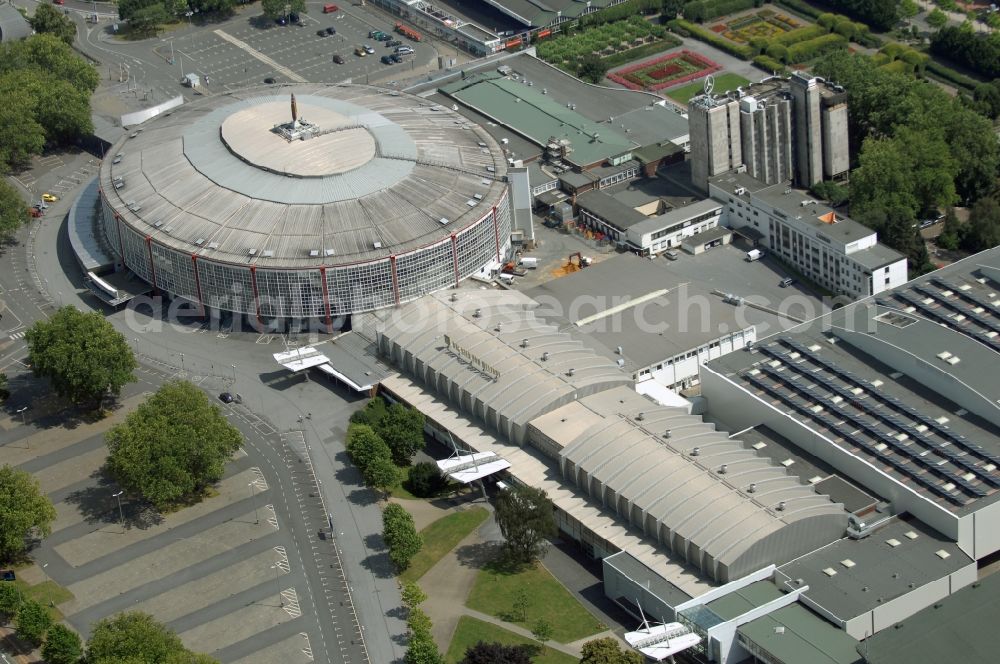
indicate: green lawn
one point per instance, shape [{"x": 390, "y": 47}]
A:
[
  {"x": 471, "y": 631},
  {"x": 441, "y": 537},
  {"x": 400, "y": 490},
  {"x": 47, "y": 593},
  {"x": 723, "y": 83},
  {"x": 496, "y": 589}
]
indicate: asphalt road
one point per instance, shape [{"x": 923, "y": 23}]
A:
[{"x": 39, "y": 272}]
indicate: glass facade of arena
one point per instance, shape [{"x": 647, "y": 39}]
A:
[{"x": 299, "y": 293}]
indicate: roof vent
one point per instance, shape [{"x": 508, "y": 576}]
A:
[
  {"x": 695, "y": 451},
  {"x": 498, "y": 327},
  {"x": 942, "y": 554},
  {"x": 779, "y": 629},
  {"x": 524, "y": 343},
  {"x": 848, "y": 563},
  {"x": 545, "y": 356},
  {"x": 200, "y": 241},
  {"x": 667, "y": 434},
  {"x": 640, "y": 417},
  {"x": 213, "y": 245},
  {"x": 377, "y": 245},
  {"x": 444, "y": 220},
  {"x": 751, "y": 488},
  {"x": 781, "y": 506},
  {"x": 314, "y": 253},
  {"x": 621, "y": 363},
  {"x": 477, "y": 313},
  {"x": 453, "y": 297},
  {"x": 723, "y": 468},
  {"x": 267, "y": 253},
  {"x": 571, "y": 371},
  {"x": 251, "y": 252},
  {"x": 618, "y": 350},
  {"x": 328, "y": 252}
]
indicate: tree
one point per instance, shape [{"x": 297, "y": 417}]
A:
[
  {"x": 834, "y": 192},
  {"x": 908, "y": 8},
  {"x": 138, "y": 637},
  {"x": 402, "y": 429},
  {"x": 542, "y": 630},
  {"x": 400, "y": 535},
  {"x": 48, "y": 19},
  {"x": 419, "y": 623},
  {"x": 983, "y": 228},
  {"x": 275, "y": 8},
  {"x": 20, "y": 137},
  {"x": 172, "y": 446},
  {"x": 607, "y": 651},
  {"x": 412, "y": 594},
  {"x": 519, "y": 606},
  {"x": 381, "y": 474},
  {"x": 425, "y": 480},
  {"x": 423, "y": 651},
  {"x": 365, "y": 446},
  {"x": 62, "y": 110},
  {"x": 13, "y": 210},
  {"x": 4, "y": 387},
  {"x": 951, "y": 233},
  {"x": 219, "y": 8},
  {"x": 32, "y": 621},
  {"x": 937, "y": 19},
  {"x": 496, "y": 653},
  {"x": 10, "y": 599},
  {"x": 526, "y": 518},
  {"x": 62, "y": 645},
  {"x": 24, "y": 510},
  {"x": 592, "y": 68},
  {"x": 81, "y": 354},
  {"x": 48, "y": 53},
  {"x": 147, "y": 20}
]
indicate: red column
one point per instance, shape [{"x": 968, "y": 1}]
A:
[
  {"x": 496, "y": 231},
  {"x": 152, "y": 267},
  {"x": 256, "y": 298},
  {"x": 326, "y": 300},
  {"x": 395, "y": 279},
  {"x": 454, "y": 255},
  {"x": 197, "y": 283}
]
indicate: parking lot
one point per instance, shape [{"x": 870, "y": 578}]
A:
[{"x": 247, "y": 51}]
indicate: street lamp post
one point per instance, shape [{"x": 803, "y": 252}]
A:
[
  {"x": 277, "y": 584},
  {"x": 121, "y": 514},
  {"x": 136, "y": 340},
  {"x": 253, "y": 500},
  {"x": 20, "y": 411},
  {"x": 234, "y": 372},
  {"x": 182, "y": 362}
]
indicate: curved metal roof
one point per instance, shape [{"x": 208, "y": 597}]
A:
[
  {"x": 197, "y": 180},
  {"x": 712, "y": 499},
  {"x": 494, "y": 366}
]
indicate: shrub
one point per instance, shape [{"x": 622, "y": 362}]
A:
[
  {"x": 814, "y": 48},
  {"x": 949, "y": 75},
  {"x": 769, "y": 64},
  {"x": 703, "y": 10},
  {"x": 799, "y": 35},
  {"x": 425, "y": 480},
  {"x": 800, "y": 7}
]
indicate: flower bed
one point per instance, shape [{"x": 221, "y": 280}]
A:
[
  {"x": 665, "y": 71},
  {"x": 764, "y": 24}
]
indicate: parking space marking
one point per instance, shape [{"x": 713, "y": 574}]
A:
[{"x": 254, "y": 53}]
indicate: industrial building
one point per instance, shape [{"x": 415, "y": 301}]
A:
[
  {"x": 306, "y": 202},
  {"x": 833, "y": 250},
  {"x": 777, "y": 130}
]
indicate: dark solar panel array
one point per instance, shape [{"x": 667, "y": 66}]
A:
[
  {"x": 940, "y": 316},
  {"x": 904, "y": 408},
  {"x": 851, "y": 436}
]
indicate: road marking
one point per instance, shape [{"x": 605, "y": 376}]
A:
[
  {"x": 18, "y": 335},
  {"x": 291, "y": 602},
  {"x": 260, "y": 56}
]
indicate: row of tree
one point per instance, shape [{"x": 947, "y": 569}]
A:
[
  {"x": 400, "y": 534},
  {"x": 33, "y": 624},
  {"x": 879, "y": 14},
  {"x": 978, "y": 51},
  {"x": 917, "y": 149},
  {"x": 46, "y": 90}
]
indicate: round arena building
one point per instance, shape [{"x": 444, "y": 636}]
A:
[{"x": 306, "y": 201}]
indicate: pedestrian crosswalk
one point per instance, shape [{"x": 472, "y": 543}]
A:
[{"x": 18, "y": 335}]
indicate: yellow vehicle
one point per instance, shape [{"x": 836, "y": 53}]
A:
[
  {"x": 359, "y": 51},
  {"x": 50, "y": 198}
]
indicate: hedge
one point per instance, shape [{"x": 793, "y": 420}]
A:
[
  {"x": 769, "y": 64},
  {"x": 814, "y": 48},
  {"x": 619, "y": 12},
  {"x": 680, "y": 26},
  {"x": 799, "y": 35},
  {"x": 949, "y": 75},
  {"x": 704, "y": 10},
  {"x": 799, "y": 7},
  {"x": 668, "y": 42}
]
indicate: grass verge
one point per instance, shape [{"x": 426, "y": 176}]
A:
[
  {"x": 471, "y": 631},
  {"x": 441, "y": 537},
  {"x": 46, "y": 593},
  {"x": 723, "y": 83},
  {"x": 497, "y": 588}
]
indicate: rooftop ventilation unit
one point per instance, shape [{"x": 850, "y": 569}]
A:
[
  {"x": 477, "y": 313},
  {"x": 621, "y": 363},
  {"x": 695, "y": 451},
  {"x": 377, "y": 245},
  {"x": 781, "y": 506},
  {"x": 328, "y": 252},
  {"x": 640, "y": 417},
  {"x": 200, "y": 241},
  {"x": 267, "y": 253},
  {"x": 444, "y": 221},
  {"x": 213, "y": 245},
  {"x": 751, "y": 488},
  {"x": 570, "y": 371},
  {"x": 453, "y": 298},
  {"x": 251, "y": 252},
  {"x": 545, "y": 356},
  {"x": 314, "y": 253},
  {"x": 667, "y": 434},
  {"x": 524, "y": 343}
]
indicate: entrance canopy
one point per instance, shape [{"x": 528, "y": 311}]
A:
[{"x": 466, "y": 468}]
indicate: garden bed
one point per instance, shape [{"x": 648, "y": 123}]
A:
[
  {"x": 665, "y": 71},
  {"x": 610, "y": 39}
]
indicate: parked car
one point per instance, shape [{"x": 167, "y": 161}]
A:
[
  {"x": 281, "y": 20},
  {"x": 293, "y": 17},
  {"x": 50, "y": 198},
  {"x": 386, "y": 60},
  {"x": 117, "y": 159},
  {"x": 786, "y": 282},
  {"x": 383, "y": 37},
  {"x": 373, "y": 34},
  {"x": 368, "y": 49},
  {"x": 338, "y": 58},
  {"x": 360, "y": 51},
  {"x": 8, "y": 574},
  {"x": 269, "y": 81},
  {"x": 321, "y": 33},
  {"x": 393, "y": 43},
  {"x": 226, "y": 397},
  {"x": 404, "y": 50},
  {"x": 330, "y": 8},
  {"x": 395, "y": 58},
  {"x": 331, "y": 30}
]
